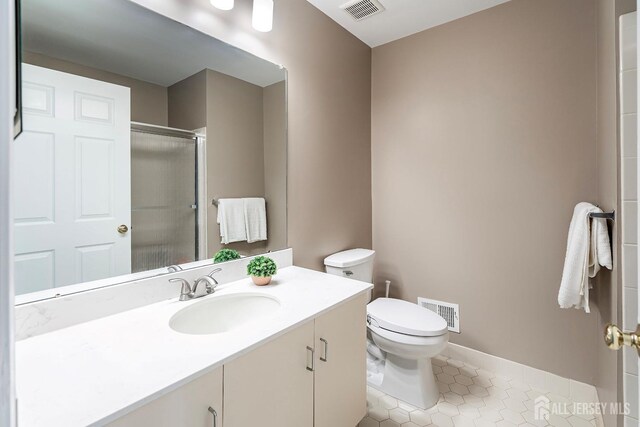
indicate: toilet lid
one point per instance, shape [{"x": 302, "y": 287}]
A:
[{"x": 405, "y": 318}]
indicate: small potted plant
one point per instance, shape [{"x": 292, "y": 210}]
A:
[
  {"x": 261, "y": 269},
  {"x": 224, "y": 255}
]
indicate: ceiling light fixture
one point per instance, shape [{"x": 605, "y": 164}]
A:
[
  {"x": 222, "y": 4},
  {"x": 262, "y": 19}
]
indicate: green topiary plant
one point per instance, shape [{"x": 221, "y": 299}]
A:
[
  {"x": 224, "y": 255},
  {"x": 261, "y": 269}
]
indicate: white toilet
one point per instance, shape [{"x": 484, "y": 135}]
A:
[{"x": 405, "y": 336}]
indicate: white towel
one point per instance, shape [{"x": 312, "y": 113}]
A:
[
  {"x": 588, "y": 248},
  {"x": 231, "y": 220},
  {"x": 255, "y": 216}
]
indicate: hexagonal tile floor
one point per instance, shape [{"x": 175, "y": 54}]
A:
[{"x": 469, "y": 397}]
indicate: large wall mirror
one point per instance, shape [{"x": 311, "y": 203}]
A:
[{"x": 147, "y": 145}]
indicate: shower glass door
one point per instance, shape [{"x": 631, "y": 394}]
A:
[{"x": 163, "y": 197}]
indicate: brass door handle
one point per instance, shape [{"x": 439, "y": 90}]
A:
[
  {"x": 615, "y": 338},
  {"x": 122, "y": 229}
]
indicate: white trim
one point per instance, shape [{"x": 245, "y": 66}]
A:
[
  {"x": 629, "y": 386},
  {"x": 630, "y": 382},
  {"x": 7, "y": 107},
  {"x": 573, "y": 390}
]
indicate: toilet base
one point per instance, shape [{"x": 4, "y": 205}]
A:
[{"x": 409, "y": 380}]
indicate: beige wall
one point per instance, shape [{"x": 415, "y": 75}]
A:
[
  {"x": 329, "y": 116},
  {"x": 484, "y": 138},
  {"x": 246, "y": 146},
  {"x": 275, "y": 163},
  {"x": 235, "y": 152},
  {"x": 187, "y": 103},
  {"x": 148, "y": 100}
]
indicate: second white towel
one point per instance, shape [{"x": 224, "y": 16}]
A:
[
  {"x": 255, "y": 219},
  {"x": 242, "y": 220}
]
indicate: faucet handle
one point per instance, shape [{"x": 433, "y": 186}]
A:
[
  {"x": 174, "y": 268},
  {"x": 217, "y": 270},
  {"x": 209, "y": 282},
  {"x": 185, "y": 292},
  {"x": 210, "y": 275}
]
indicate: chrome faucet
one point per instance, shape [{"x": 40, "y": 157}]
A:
[
  {"x": 187, "y": 292},
  {"x": 174, "y": 268}
]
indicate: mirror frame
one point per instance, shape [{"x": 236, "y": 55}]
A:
[{"x": 17, "y": 116}]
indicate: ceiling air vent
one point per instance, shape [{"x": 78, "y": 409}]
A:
[{"x": 361, "y": 9}]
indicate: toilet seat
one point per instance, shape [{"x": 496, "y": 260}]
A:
[
  {"x": 411, "y": 340},
  {"x": 404, "y": 318}
]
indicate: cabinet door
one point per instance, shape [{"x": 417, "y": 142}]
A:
[
  {"x": 271, "y": 386},
  {"x": 186, "y": 406},
  {"x": 341, "y": 372}
]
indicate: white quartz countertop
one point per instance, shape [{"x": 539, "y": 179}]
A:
[{"x": 94, "y": 372}]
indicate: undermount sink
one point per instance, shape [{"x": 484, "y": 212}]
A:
[{"x": 218, "y": 314}]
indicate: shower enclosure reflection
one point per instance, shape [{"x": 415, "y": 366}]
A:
[
  {"x": 127, "y": 140},
  {"x": 164, "y": 197}
]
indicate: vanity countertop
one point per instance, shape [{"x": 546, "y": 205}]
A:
[{"x": 95, "y": 372}]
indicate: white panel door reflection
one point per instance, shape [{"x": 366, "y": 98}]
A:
[{"x": 72, "y": 181}]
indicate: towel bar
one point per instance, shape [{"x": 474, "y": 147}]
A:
[
  {"x": 604, "y": 215},
  {"x": 214, "y": 202}
]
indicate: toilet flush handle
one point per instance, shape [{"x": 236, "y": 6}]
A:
[{"x": 348, "y": 273}]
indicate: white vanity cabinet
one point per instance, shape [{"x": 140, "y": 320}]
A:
[
  {"x": 340, "y": 369},
  {"x": 271, "y": 386},
  {"x": 187, "y": 406},
  {"x": 312, "y": 376}
]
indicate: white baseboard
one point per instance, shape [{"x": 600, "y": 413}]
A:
[{"x": 547, "y": 382}]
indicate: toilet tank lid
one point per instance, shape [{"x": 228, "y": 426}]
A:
[{"x": 349, "y": 258}]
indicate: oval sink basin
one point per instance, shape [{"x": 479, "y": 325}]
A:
[{"x": 224, "y": 313}]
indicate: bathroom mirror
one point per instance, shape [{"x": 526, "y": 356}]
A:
[{"x": 130, "y": 142}]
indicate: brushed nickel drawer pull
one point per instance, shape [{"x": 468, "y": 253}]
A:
[
  {"x": 326, "y": 350},
  {"x": 215, "y": 416},
  {"x": 312, "y": 352}
]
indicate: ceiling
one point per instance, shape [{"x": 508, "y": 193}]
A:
[
  {"x": 402, "y": 17},
  {"x": 124, "y": 38}
]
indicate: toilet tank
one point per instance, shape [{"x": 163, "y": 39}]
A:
[{"x": 354, "y": 264}]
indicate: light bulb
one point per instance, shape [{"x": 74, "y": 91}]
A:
[
  {"x": 222, "y": 4},
  {"x": 262, "y": 19}
]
